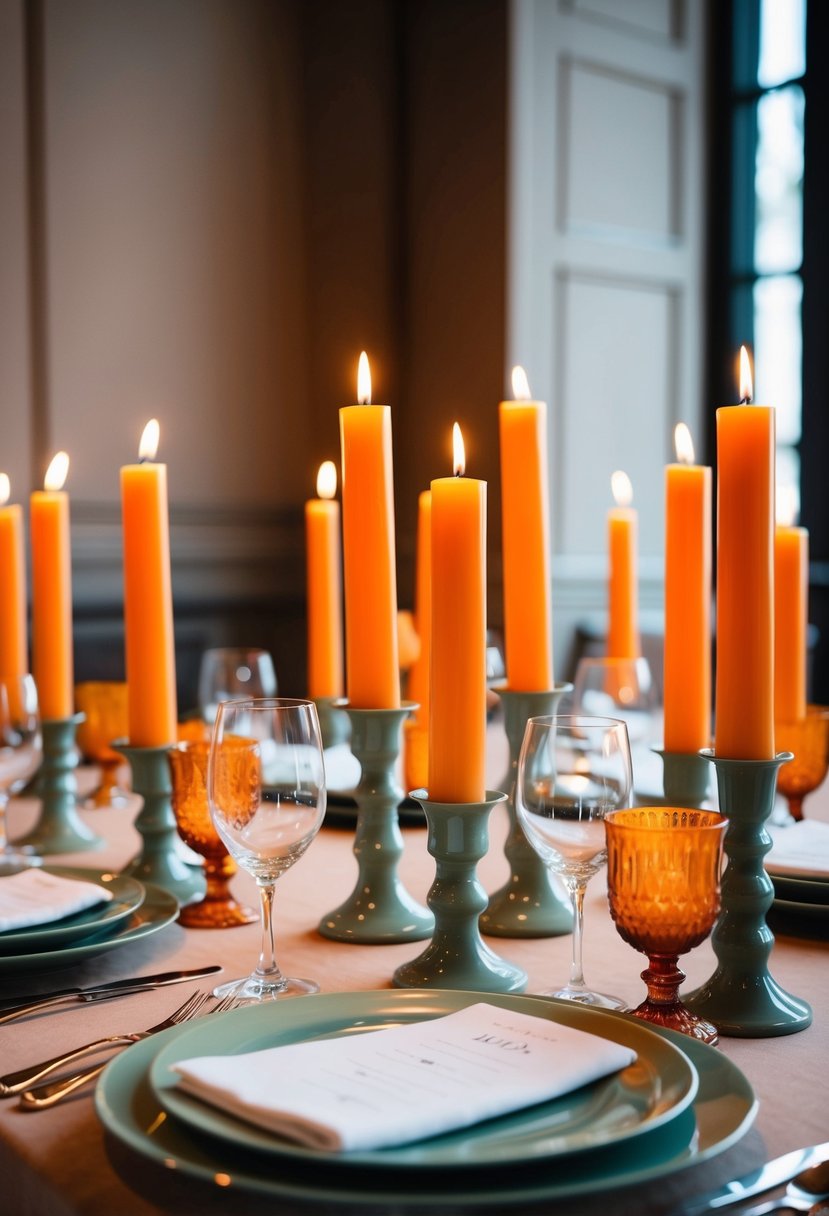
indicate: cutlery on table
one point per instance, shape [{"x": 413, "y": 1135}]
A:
[
  {"x": 103, "y": 992},
  {"x": 48, "y": 1095},
  {"x": 806, "y": 1169}
]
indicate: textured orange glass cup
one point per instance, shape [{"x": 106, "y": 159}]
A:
[
  {"x": 663, "y": 885},
  {"x": 808, "y": 739},
  {"x": 104, "y": 706},
  {"x": 188, "y": 766}
]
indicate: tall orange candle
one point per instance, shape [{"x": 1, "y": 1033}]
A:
[
  {"x": 324, "y": 587},
  {"x": 13, "y": 633},
  {"x": 148, "y": 598},
  {"x": 744, "y": 715},
  {"x": 687, "y": 673},
  {"x": 457, "y": 712},
  {"x": 525, "y": 524},
  {"x": 370, "y": 574},
  {"x": 623, "y": 587},
  {"x": 791, "y": 615},
  {"x": 52, "y": 593}
]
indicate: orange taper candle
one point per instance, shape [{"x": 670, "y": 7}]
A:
[
  {"x": 148, "y": 598},
  {"x": 457, "y": 710},
  {"x": 623, "y": 589},
  {"x": 324, "y": 587},
  {"x": 791, "y": 614},
  {"x": 744, "y": 711},
  {"x": 687, "y": 600},
  {"x": 370, "y": 576},
  {"x": 525, "y": 540},
  {"x": 13, "y": 636},
  {"x": 52, "y": 593}
]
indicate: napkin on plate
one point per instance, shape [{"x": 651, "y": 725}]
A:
[
  {"x": 34, "y": 897},
  {"x": 393, "y": 1086},
  {"x": 800, "y": 849}
]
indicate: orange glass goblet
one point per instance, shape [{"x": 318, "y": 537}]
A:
[
  {"x": 663, "y": 883},
  {"x": 808, "y": 739},
  {"x": 104, "y": 706},
  {"x": 218, "y": 909}
]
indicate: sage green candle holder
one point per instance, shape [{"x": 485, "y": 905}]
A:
[
  {"x": 58, "y": 829},
  {"x": 530, "y": 904},
  {"x": 334, "y": 726},
  {"x": 741, "y": 998},
  {"x": 686, "y": 778},
  {"x": 457, "y": 957},
  {"x": 159, "y": 861},
  {"x": 379, "y": 910}
]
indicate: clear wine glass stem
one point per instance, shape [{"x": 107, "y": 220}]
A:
[
  {"x": 577, "y": 890},
  {"x": 268, "y": 967}
]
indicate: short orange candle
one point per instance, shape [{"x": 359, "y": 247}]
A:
[
  {"x": 525, "y": 524},
  {"x": 52, "y": 593},
  {"x": 687, "y": 675},
  {"x": 148, "y": 598},
  {"x": 457, "y": 712},
  {"x": 791, "y": 616},
  {"x": 623, "y": 589},
  {"x": 744, "y": 711},
  {"x": 324, "y": 587},
  {"x": 370, "y": 575},
  {"x": 13, "y": 634}
]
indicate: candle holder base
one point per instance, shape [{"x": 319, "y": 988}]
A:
[
  {"x": 380, "y": 910},
  {"x": 531, "y": 903},
  {"x": 686, "y": 779},
  {"x": 741, "y": 998},
  {"x": 159, "y": 861},
  {"x": 334, "y": 725},
  {"x": 457, "y": 957},
  {"x": 59, "y": 830}
]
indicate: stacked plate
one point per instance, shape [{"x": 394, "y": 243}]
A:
[
  {"x": 798, "y": 866},
  {"x": 133, "y": 911},
  {"x": 679, "y": 1103}
]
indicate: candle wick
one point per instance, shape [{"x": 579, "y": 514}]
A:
[{"x": 745, "y": 401}]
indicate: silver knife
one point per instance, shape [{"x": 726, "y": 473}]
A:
[
  {"x": 102, "y": 992},
  {"x": 773, "y": 1173}
]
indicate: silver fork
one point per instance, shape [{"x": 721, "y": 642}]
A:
[{"x": 44, "y": 1096}]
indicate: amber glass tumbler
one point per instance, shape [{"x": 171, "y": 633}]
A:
[
  {"x": 809, "y": 740},
  {"x": 104, "y": 706}
]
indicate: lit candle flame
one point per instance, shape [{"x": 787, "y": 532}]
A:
[
  {"x": 746, "y": 383},
  {"x": 148, "y": 446},
  {"x": 622, "y": 489},
  {"x": 786, "y": 506},
  {"x": 683, "y": 444},
  {"x": 56, "y": 473},
  {"x": 520, "y": 384},
  {"x": 5, "y": 489},
  {"x": 363, "y": 380},
  {"x": 458, "y": 451},
  {"x": 327, "y": 479}
]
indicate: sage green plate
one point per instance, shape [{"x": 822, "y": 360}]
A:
[
  {"x": 657, "y": 1087},
  {"x": 158, "y": 909},
  {"x": 800, "y": 890},
  {"x": 721, "y": 1113},
  {"x": 127, "y": 894}
]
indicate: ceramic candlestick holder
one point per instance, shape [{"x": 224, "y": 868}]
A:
[
  {"x": 686, "y": 778},
  {"x": 741, "y": 998},
  {"x": 530, "y": 904},
  {"x": 379, "y": 910},
  {"x": 457, "y": 957},
  {"x": 334, "y": 726},
  {"x": 59, "y": 830},
  {"x": 159, "y": 861}
]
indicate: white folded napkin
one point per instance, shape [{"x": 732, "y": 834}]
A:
[
  {"x": 33, "y": 897},
  {"x": 393, "y": 1086},
  {"x": 800, "y": 849}
]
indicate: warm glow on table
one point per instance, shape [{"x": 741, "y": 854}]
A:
[
  {"x": 52, "y": 593},
  {"x": 14, "y": 660},
  {"x": 623, "y": 587},
  {"x": 687, "y": 675},
  {"x": 457, "y": 712},
  {"x": 791, "y": 617},
  {"x": 525, "y": 524},
  {"x": 370, "y": 575},
  {"x": 148, "y": 598},
  {"x": 324, "y": 587}
]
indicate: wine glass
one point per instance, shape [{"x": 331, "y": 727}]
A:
[
  {"x": 808, "y": 739},
  {"x": 618, "y": 688},
  {"x": 104, "y": 706},
  {"x": 572, "y": 770},
  {"x": 229, "y": 673},
  {"x": 266, "y": 788},
  {"x": 663, "y": 886},
  {"x": 21, "y": 749}
]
